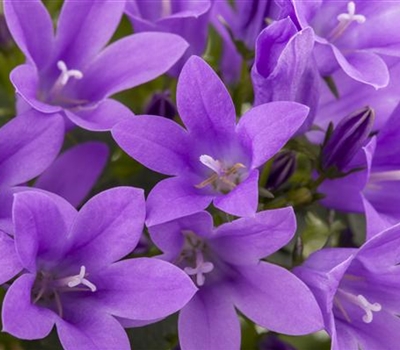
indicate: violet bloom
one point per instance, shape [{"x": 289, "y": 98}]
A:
[
  {"x": 213, "y": 159},
  {"x": 358, "y": 292},
  {"x": 72, "y": 278},
  {"x": 225, "y": 263},
  {"x": 187, "y": 18},
  {"x": 284, "y": 67},
  {"x": 72, "y": 72},
  {"x": 353, "y": 35}
]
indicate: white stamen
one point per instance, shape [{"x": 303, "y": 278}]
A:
[
  {"x": 361, "y": 302},
  {"x": 202, "y": 267},
  {"x": 210, "y": 162},
  {"x": 351, "y": 15},
  {"x": 67, "y": 73},
  {"x": 80, "y": 279}
]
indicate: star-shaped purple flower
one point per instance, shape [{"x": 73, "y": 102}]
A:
[
  {"x": 72, "y": 278},
  {"x": 358, "y": 291},
  {"x": 71, "y": 71},
  {"x": 214, "y": 158},
  {"x": 353, "y": 35},
  {"x": 225, "y": 263}
]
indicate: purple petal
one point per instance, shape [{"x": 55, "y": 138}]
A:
[
  {"x": 41, "y": 227},
  {"x": 75, "y": 172},
  {"x": 32, "y": 29},
  {"x": 375, "y": 223},
  {"x": 173, "y": 198},
  {"x": 28, "y": 144},
  {"x": 107, "y": 228},
  {"x": 135, "y": 59},
  {"x": 209, "y": 321},
  {"x": 364, "y": 66},
  {"x": 169, "y": 238},
  {"x": 266, "y": 128},
  {"x": 158, "y": 143},
  {"x": 142, "y": 289},
  {"x": 9, "y": 261},
  {"x": 247, "y": 240},
  {"x": 269, "y": 295},
  {"x": 203, "y": 101},
  {"x": 243, "y": 199},
  {"x": 20, "y": 317},
  {"x": 88, "y": 329},
  {"x": 25, "y": 79},
  {"x": 84, "y": 28},
  {"x": 101, "y": 117}
]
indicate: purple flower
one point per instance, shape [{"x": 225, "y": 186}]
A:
[
  {"x": 282, "y": 169},
  {"x": 71, "y": 71},
  {"x": 72, "y": 277},
  {"x": 188, "y": 18},
  {"x": 213, "y": 159},
  {"x": 225, "y": 263},
  {"x": 358, "y": 291},
  {"x": 347, "y": 139},
  {"x": 161, "y": 104},
  {"x": 353, "y": 35},
  {"x": 284, "y": 68}
]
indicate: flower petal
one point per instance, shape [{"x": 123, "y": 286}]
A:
[
  {"x": 107, "y": 228},
  {"x": 25, "y": 79},
  {"x": 209, "y": 321},
  {"x": 243, "y": 200},
  {"x": 158, "y": 143},
  {"x": 101, "y": 117},
  {"x": 247, "y": 240},
  {"x": 32, "y": 29},
  {"x": 173, "y": 198},
  {"x": 9, "y": 261},
  {"x": 41, "y": 227},
  {"x": 75, "y": 172},
  {"x": 203, "y": 101},
  {"x": 135, "y": 59},
  {"x": 142, "y": 289},
  {"x": 20, "y": 317},
  {"x": 84, "y": 28},
  {"x": 88, "y": 329},
  {"x": 28, "y": 144},
  {"x": 364, "y": 66},
  {"x": 266, "y": 128},
  {"x": 275, "y": 299}
]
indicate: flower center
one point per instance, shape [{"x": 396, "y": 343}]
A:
[
  {"x": 359, "y": 301},
  {"x": 224, "y": 178},
  {"x": 193, "y": 254},
  {"x": 166, "y": 8},
  {"x": 55, "y": 95},
  {"x": 47, "y": 289},
  {"x": 345, "y": 19},
  {"x": 382, "y": 176}
]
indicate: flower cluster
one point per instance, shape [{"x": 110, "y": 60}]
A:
[{"x": 277, "y": 126}]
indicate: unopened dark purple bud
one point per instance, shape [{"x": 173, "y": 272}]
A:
[
  {"x": 272, "y": 342},
  {"x": 347, "y": 139},
  {"x": 282, "y": 169},
  {"x": 161, "y": 104}
]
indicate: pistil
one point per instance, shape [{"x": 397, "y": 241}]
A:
[
  {"x": 345, "y": 19},
  {"x": 202, "y": 267},
  {"x": 224, "y": 179},
  {"x": 360, "y": 301},
  {"x": 76, "y": 280}
]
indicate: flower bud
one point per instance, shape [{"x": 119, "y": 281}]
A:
[
  {"x": 272, "y": 342},
  {"x": 161, "y": 104},
  {"x": 282, "y": 169},
  {"x": 347, "y": 139}
]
